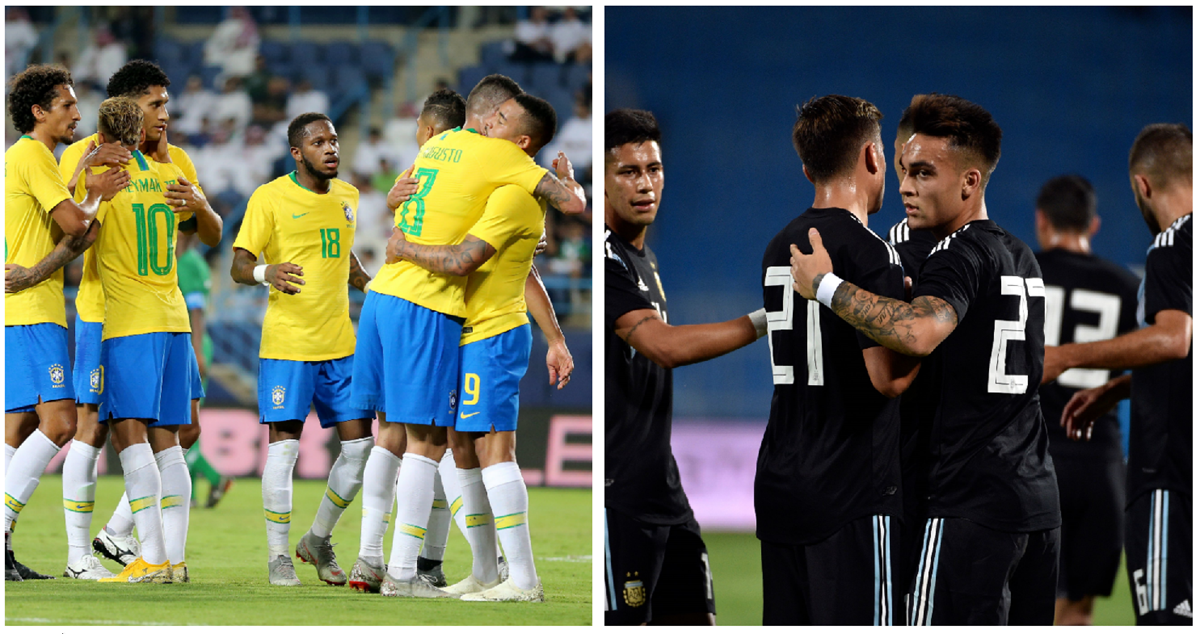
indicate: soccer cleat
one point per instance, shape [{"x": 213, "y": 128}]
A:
[
  {"x": 141, "y": 572},
  {"x": 216, "y": 493},
  {"x": 281, "y": 572},
  {"x": 10, "y": 567},
  {"x": 366, "y": 578},
  {"x": 508, "y": 591},
  {"x": 417, "y": 587},
  {"x": 87, "y": 568},
  {"x": 27, "y": 573},
  {"x": 470, "y": 585},
  {"x": 434, "y": 576},
  {"x": 123, "y": 550},
  {"x": 179, "y": 573},
  {"x": 319, "y": 552},
  {"x": 502, "y": 568}
]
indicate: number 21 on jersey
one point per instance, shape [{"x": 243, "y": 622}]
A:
[{"x": 781, "y": 320}]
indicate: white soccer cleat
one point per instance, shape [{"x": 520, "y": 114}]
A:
[
  {"x": 123, "y": 550},
  {"x": 281, "y": 572},
  {"x": 470, "y": 585},
  {"x": 319, "y": 552},
  {"x": 417, "y": 587},
  {"x": 87, "y": 568},
  {"x": 508, "y": 591},
  {"x": 367, "y": 578}
]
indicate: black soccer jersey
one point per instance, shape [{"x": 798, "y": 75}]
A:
[
  {"x": 830, "y": 453},
  {"x": 913, "y": 245},
  {"x": 988, "y": 444},
  {"x": 1160, "y": 426},
  {"x": 641, "y": 478},
  {"x": 1087, "y": 299}
]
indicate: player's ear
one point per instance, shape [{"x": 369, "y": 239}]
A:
[
  {"x": 100, "y": 138},
  {"x": 807, "y": 175},
  {"x": 141, "y": 136},
  {"x": 972, "y": 181},
  {"x": 296, "y": 154},
  {"x": 871, "y": 155},
  {"x": 1141, "y": 185},
  {"x": 1094, "y": 226}
]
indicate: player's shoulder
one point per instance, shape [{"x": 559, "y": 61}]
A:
[
  {"x": 178, "y": 154},
  {"x": 75, "y": 151},
  {"x": 339, "y": 187},
  {"x": 618, "y": 254},
  {"x": 27, "y": 149},
  {"x": 513, "y": 196},
  {"x": 1178, "y": 234}
]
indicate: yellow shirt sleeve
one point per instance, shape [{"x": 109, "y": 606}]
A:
[
  {"x": 511, "y": 165},
  {"x": 45, "y": 183},
  {"x": 67, "y": 164},
  {"x": 503, "y": 217},
  {"x": 258, "y": 224},
  {"x": 180, "y": 159}
]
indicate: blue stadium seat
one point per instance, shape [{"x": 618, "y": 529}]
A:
[
  {"x": 468, "y": 76},
  {"x": 492, "y": 53},
  {"x": 209, "y": 75},
  {"x": 518, "y": 72},
  {"x": 544, "y": 77},
  {"x": 195, "y": 52},
  {"x": 341, "y": 53},
  {"x": 346, "y": 78},
  {"x": 168, "y": 51},
  {"x": 562, "y": 100},
  {"x": 178, "y": 73},
  {"x": 272, "y": 50},
  {"x": 318, "y": 74},
  {"x": 187, "y": 14},
  {"x": 378, "y": 59},
  {"x": 282, "y": 67},
  {"x": 303, "y": 53},
  {"x": 577, "y": 76}
]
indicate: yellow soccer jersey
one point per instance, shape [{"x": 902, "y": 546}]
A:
[
  {"x": 287, "y": 222},
  {"x": 32, "y": 188},
  {"x": 89, "y": 303},
  {"x": 135, "y": 255},
  {"x": 458, "y": 170},
  {"x": 513, "y": 224}
]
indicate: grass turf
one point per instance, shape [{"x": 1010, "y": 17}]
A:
[
  {"x": 227, "y": 557},
  {"x": 736, "y": 563}
]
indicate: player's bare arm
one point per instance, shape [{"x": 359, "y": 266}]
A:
[
  {"x": 402, "y": 190},
  {"x": 891, "y": 372},
  {"x": 358, "y": 275},
  {"x": 184, "y": 196},
  {"x": 285, "y": 277},
  {"x": 561, "y": 190},
  {"x": 1086, "y": 406},
  {"x": 74, "y": 218},
  {"x": 1167, "y": 339},
  {"x": 109, "y": 154},
  {"x": 458, "y": 259},
  {"x": 673, "y": 346},
  {"x": 914, "y": 329},
  {"x": 559, "y": 362},
  {"x": 18, "y": 278},
  {"x": 196, "y": 315}
]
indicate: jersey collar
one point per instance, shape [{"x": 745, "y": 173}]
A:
[
  {"x": 141, "y": 160},
  {"x": 297, "y": 182}
]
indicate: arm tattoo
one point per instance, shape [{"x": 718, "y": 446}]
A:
[
  {"x": 458, "y": 259},
  {"x": 65, "y": 251},
  {"x": 629, "y": 335},
  {"x": 242, "y": 270},
  {"x": 552, "y": 190},
  {"x": 358, "y": 276},
  {"x": 889, "y": 322}
]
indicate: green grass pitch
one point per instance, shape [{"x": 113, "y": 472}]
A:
[
  {"x": 736, "y": 563},
  {"x": 227, "y": 560}
]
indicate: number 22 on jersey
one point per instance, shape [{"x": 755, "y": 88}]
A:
[{"x": 781, "y": 320}]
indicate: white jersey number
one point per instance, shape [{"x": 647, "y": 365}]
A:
[
  {"x": 1105, "y": 305},
  {"x": 782, "y": 320},
  {"x": 1010, "y": 330}
]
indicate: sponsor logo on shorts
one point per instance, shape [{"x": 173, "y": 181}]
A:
[
  {"x": 57, "y": 376},
  {"x": 96, "y": 380},
  {"x": 634, "y": 593},
  {"x": 277, "y": 396}
]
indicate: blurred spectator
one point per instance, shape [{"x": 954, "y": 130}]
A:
[
  {"x": 400, "y": 133},
  {"x": 89, "y": 110},
  {"x": 256, "y": 82},
  {"x": 366, "y": 157},
  {"x": 257, "y": 157},
  {"x": 233, "y": 103},
  {"x": 193, "y": 105},
  {"x": 374, "y": 222},
  {"x": 385, "y": 176},
  {"x": 306, "y": 99},
  {"x": 134, "y": 26},
  {"x": 531, "y": 40},
  {"x": 234, "y": 44},
  {"x": 100, "y": 60},
  {"x": 20, "y": 36},
  {"x": 273, "y": 107},
  {"x": 572, "y": 39},
  {"x": 574, "y": 138},
  {"x": 217, "y": 164},
  {"x": 570, "y": 261}
]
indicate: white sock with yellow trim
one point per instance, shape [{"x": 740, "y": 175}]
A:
[
  {"x": 510, "y": 504},
  {"x": 9, "y": 450},
  {"x": 277, "y": 494},
  {"x": 121, "y": 522},
  {"x": 379, "y": 494},
  {"x": 24, "y": 473},
  {"x": 143, "y": 484},
  {"x": 439, "y": 522},
  {"x": 453, "y": 490},
  {"x": 345, "y": 480},
  {"x": 481, "y": 530},
  {"x": 79, "y": 497},
  {"x": 414, "y": 498},
  {"x": 176, "y": 501}
]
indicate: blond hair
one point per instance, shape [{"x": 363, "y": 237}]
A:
[{"x": 120, "y": 120}]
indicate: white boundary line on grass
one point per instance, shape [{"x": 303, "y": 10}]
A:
[{"x": 85, "y": 622}]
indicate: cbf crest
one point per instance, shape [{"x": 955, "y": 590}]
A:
[
  {"x": 57, "y": 376},
  {"x": 453, "y": 400},
  {"x": 348, "y": 211},
  {"x": 634, "y": 593},
  {"x": 96, "y": 380},
  {"x": 277, "y": 396}
]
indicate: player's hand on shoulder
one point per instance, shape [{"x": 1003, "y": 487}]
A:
[
  {"x": 403, "y": 189},
  {"x": 110, "y": 154},
  {"x": 285, "y": 277},
  {"x": 805, "y": 268},
  {"x": 108, "y": 184},
  {"x": 395, "y": 246},
  {"x": 183, "y": 196},
  {"x": 560, "y": 363}
]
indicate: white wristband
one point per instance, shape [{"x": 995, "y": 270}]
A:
[
  {"x": 759, "y": 319},
  {"x": 260, "y": 273},
  {"x": 828, "y": 286}
]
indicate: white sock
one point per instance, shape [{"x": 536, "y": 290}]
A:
[
  {"x": 9, "y": 450},
  {"x": 345, "y": 479},
  {"x": 510, "y": 504},
  {"x": 121, "y": 522},
  {"x": 277, "y": 494},
  {"x": 439, "y": 522},
  {"x": 176, "y": 501},
  {"x": 453, "y": 489},
  {"x": 379, "y": 494},
  {"x": 414, "y": 497},
  {"x": 481, "y": 530},
  {"x": 79, "y": 497},
  {"x": 143, "y": 484},
  {"x": 24, "y": 473}
]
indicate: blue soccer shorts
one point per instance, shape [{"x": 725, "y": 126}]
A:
[
  {"x": 406, "y": 361},
  {"x": 37, "y": 365},
  {"x": 287, "y": 388},
  {"x": 197, "y": 382},
  {"x": 492, "y": 369},
  {"x": 148, "y": 377},
  {"x": 88, "y": 378}
]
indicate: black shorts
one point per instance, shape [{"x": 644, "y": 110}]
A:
[
  {"x": 969, "y": 574},
  {"x": 1158, "y": 557},
  {"x": 654, "y": 571},
  {"x": 844, "y": 579},
  {"x": 1092, "y": 494}
]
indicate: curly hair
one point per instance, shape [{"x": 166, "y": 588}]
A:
[
  {"x": 36, "y": 85},
  {"x": 135, "y": 78},
  {"x": 120, "y": 119}
]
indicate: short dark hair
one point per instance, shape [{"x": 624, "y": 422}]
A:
[
  {"x": 490, "y": 92},
  {"x": 904, "y": 128},
  {"x": 446, "y": 107},
  {"x": 829, "y": 132},
  {"x": 629, "y": 126},
  {"x": 1163, "y": 153},
  {"x": 38, "y": 85},
  {"x": 1068, "y": 202},
  {"x": 120, "y": 120},
  {"x": 540, "y": 120},
  {"x": 135, "y": 77},
  {"x": 297, "y": 129},
  {"x": 968, "y": 126}
]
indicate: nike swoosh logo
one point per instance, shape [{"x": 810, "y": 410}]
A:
[
  {"x": 294, "y": 216},
  {"x": 468, "y": 415}
]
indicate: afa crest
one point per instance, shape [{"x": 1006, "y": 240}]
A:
[
  {"x": 96, "y": 379},
  {"x": 57, "y": 376},
  {"x": 635, "y": 593},
  {"x": 277, "y": 395},
  {"x": 348, "y": 211}
]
